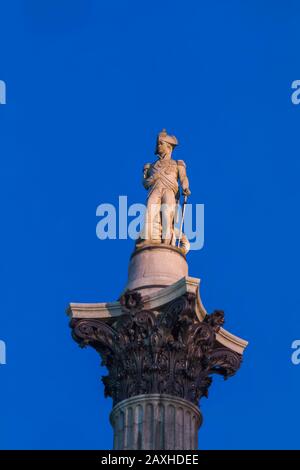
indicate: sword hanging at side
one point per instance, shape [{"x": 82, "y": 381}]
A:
[{"x": 182, "y": 220}]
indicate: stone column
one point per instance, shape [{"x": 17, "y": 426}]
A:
[
  {"x": 160, "y": 362},
  {"x": 155, "y": 422}
]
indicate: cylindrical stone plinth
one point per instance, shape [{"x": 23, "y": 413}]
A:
[
  {"x": 154, "y": 267},
  {"x": 155, "y": 422}
]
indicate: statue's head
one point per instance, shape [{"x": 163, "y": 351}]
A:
[{"x": 165, "y": 144}]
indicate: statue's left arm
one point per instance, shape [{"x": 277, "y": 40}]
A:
[{"x": 183, "y": 177}]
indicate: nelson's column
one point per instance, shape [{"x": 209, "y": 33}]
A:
[{"x": 157, "y": 341}]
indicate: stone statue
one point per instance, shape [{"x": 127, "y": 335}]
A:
[{"x": 161, "y": 180}]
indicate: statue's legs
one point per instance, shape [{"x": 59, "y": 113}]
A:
[
  {"x": 168, "y": 205},
  {"x": 159, "y": 219},
  {"x": 152, "y": 227}
]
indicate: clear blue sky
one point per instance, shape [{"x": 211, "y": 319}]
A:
[{"x": 89, "y": 84}]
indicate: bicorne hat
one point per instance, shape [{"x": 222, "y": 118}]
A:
[{"x": 170, "y": 139}]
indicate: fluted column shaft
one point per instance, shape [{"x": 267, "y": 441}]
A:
[{"x": 155, "y": 422}]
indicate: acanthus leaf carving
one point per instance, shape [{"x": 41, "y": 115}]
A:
[{"x": 168, "y": 351}]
